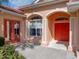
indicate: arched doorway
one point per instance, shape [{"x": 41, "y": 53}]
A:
[
  {"x": 35, "y": 29},
  {"x": 58, "y": 23}
]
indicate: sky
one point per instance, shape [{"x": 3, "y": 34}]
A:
[{"x": 17, "y": 3}]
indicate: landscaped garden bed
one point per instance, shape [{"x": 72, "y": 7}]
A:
[{"x": 8, "y": 52}]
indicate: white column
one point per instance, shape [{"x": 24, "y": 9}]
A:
[
  {"x": 27, "y": 32},
  {"x": 70, "y": 33},
  {"x": 44, "y": 31},
  {"x": 8, "y": 31},
  {"x": 73, "y": 32}
]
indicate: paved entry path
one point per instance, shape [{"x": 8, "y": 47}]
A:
[{"x": 45, "y": 53}]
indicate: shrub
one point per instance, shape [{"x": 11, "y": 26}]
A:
[
  {"x": 8, "y": 52},
  {"x": 1, "y": 41}
]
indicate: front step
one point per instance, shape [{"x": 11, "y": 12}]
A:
[{"x": 56, "y": 45}]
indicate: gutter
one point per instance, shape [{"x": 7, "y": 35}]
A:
[{"x": 10, "y": 12}]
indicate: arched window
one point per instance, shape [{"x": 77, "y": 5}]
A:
[{"x": 35, "y": 26}]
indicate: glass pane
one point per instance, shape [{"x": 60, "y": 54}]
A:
[
  {"x": 32, "y": 31},
  {"x": 39, "y": 32},
  {"x": 17, "y": 28}
]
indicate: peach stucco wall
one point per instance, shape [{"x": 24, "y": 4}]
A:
[
  {"x": 1, "y": 26},
  {"x": 44, "y": 12},
  {"x": 48, "y": 10},
  {"x": 74, "y": 30}
]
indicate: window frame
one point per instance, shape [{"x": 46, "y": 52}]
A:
[{"x": 36, "y": 28}]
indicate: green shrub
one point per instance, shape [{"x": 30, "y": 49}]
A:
[
  {"x": 2, "y": 41},
  {"x": 8, "y": 52}
]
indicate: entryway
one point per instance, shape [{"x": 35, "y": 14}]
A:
[{"x": 58, "y": 23}]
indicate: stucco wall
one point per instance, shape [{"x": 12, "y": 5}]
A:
[
  {"x": 1, "y": 25},
  {"x": 77, "y": 30},
  {"x": 12, "y": 17},
  {"x": 74, "y": 20}
]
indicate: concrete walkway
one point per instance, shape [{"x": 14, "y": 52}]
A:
[{"x": 39, "y": 52}]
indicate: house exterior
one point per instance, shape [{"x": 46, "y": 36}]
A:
[
  {"x": 51, "y": 21},
  {"x": 12, "y": 24},
  {"x": 44, "y": 22}
]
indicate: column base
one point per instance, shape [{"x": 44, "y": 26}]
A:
[
  {"x": 45, "y": 44},
  {"x": 70, "y": 49},
  {"x": 73, "y": 50},
  {"x": 77, "y": 54}
]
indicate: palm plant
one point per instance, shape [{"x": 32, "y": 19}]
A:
[{"x": 8, "y": 52}]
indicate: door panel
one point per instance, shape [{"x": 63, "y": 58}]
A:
[
  {"x": 65, "y": 32},
  {"x": 62, "y": 31}
]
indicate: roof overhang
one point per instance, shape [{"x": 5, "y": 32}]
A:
[
  {"x": 73, "y": 6},
  {"x": 12, "y": 13},
  {"x": 41, "y": 4}
]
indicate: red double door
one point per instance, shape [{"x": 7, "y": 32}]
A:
[
  {"x": 62, "y": 31},
  {"x": 9, "y": 31}
]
